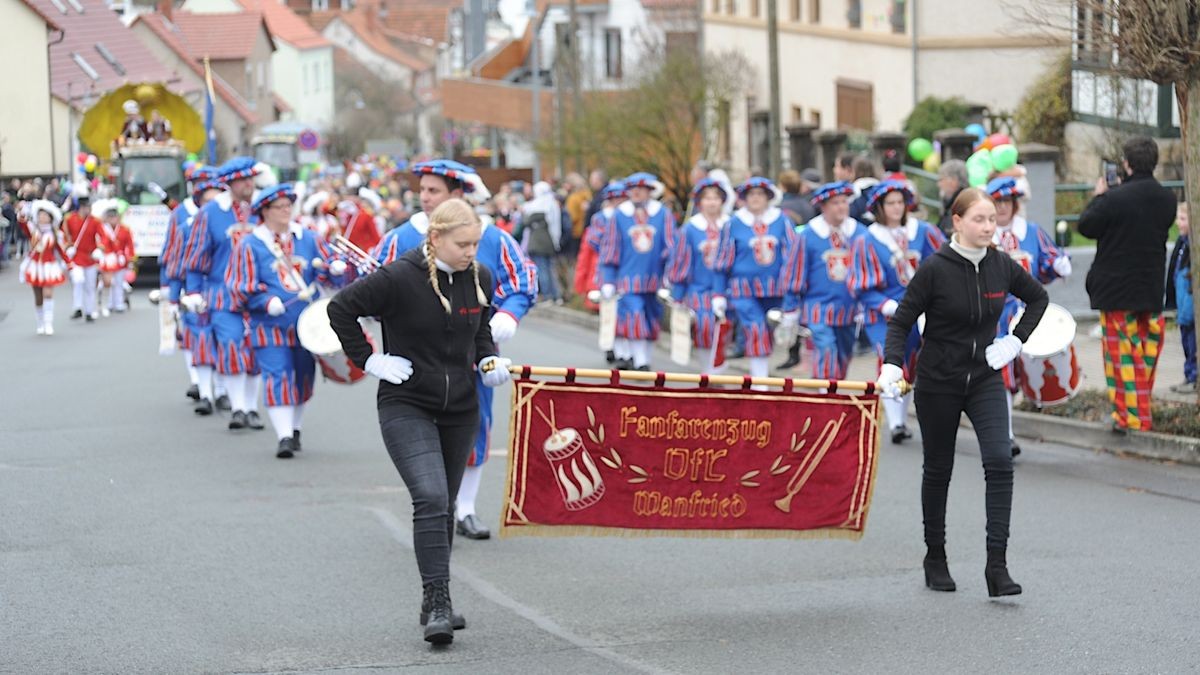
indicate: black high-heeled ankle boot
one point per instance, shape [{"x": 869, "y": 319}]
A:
[
  {"x": 996, "y": 574},
  {"x": 937, "y": 570},
  {"x": 439, "y": 629}
]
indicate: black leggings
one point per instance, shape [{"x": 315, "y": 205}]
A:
[
  {"x": 939, "y": 415},
  {"x": 430, "y": 456}
]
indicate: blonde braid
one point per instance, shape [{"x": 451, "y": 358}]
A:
[
  {"x": 479, "y": 294},
  {"x": 433, "y": 277}
]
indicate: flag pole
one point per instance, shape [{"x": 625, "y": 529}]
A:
[{"x": 690, "y": 378}]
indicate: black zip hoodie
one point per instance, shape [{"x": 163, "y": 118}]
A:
[
  {"x": 962, "y": 308},
  {"x": 443, "y": 348}
]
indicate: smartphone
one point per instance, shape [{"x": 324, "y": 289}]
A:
[{"x": 1112, "y": 174}]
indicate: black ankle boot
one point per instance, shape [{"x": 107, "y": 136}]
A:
[
  {"x": 439, "y": 629},
  {"x": 996, "y": 574},
  {"x": 937, "y": 571},
  {"x": 457, "y": 621}
]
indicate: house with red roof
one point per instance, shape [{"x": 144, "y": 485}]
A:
[
  {"x": 302, "y": 63},
  {"x": 26, "y": 134}
]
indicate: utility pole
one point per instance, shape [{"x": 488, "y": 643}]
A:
[
  {"x": 776, "y": 161},
  {"x": 535, "y": 68},
  {"x": 573, "y": 63},
  {"x": 560, "y": 106}
]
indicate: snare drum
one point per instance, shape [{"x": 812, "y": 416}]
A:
[
  {"x": 1049, "y": 374},
  {"x": 317, "y": 336}
]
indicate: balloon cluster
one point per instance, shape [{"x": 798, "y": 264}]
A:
[{"x": 993, "y": 153}]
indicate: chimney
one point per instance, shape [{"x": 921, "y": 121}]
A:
[{"x": 165, "y": 7}]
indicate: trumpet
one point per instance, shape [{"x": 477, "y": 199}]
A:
[{"x": 363, "y": 262}]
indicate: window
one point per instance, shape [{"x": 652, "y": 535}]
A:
[
  {"x": 716, "y": 6},
  {"x": 795, "y": 13},
  {"x": 731, "y": 7},
  {"x": 248, "y": 90},
  {"x": 1092, "y": 35},
  {"x": 612, "y": 53},
  {"x": 307, "y": 86},
  {"x": 755, "y": 8},
  {"x": 320, "y": 5},
  {"x": 814, "y": 11},
  {"x": 815, "y": 117},
  {"x": 897, "y": 17},
  {"x": 724, "y": 130},
  {"x": 855, "y": 109},
  {"x": 262, "y": 80},
  {"x": 854, "y": 13},
  {"x": 797, "y": 113}
]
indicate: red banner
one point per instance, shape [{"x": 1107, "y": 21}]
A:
[{"x": 622, "y": 459}]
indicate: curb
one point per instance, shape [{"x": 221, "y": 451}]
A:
[{"x": 1065, "y": 431}]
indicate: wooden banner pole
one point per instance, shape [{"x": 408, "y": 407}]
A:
[{"x": 689, "y": 378}]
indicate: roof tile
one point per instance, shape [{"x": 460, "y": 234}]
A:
[
  {"x": 221, "y": 35},
  {"x": 286, "y": 25}
]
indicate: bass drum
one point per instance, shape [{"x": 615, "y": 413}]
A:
[
  {"x": 317, "y": 336},
  {"x": 1049, "y": 374}
]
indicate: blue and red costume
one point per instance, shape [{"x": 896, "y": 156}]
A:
[
  {"x": 633, "y": 252},
  {"x": 690, "y": 271},
  {"x": 193, "y": 336},
  {"x": 815, "y": 282}
]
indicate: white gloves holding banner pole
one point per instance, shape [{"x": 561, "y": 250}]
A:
[{"x": 888, "y": 384}]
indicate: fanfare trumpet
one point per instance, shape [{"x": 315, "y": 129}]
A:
[{"x": 364, "y": 263}]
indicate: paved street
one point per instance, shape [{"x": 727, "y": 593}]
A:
[{"x": 136, "y": 538}]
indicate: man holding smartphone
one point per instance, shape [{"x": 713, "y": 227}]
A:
[{"x": 1129, "y": 222}]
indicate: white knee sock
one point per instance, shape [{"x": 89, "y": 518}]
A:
[
  {"x": 642, "y": 351},
  {"x": 191, "y": 370},
  {"x": 1008, "y": 397},
  {"x": 235, "y": 388},
  {"x": 297, "y": 416},
  {"x": 48, "y": 311},
  {"x": 281, "y": 417},
  {"x": 621, "y": 349},
  {"x": 204, "y": 380},
  {"x": 465, "y": 504},
  {"x": 759, "y": 367},
  {"x": 253, "y": 386},
  {"x": 41, "y": 316}
]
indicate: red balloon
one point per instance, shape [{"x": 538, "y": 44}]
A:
[
  {"x": 81, "y": 158},
  {"x": 998, "y": 139}
]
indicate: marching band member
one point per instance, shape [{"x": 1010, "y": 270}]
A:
[
  {"x": 170, "y": 281},
  {"x": 277, "y": 268},
  {"x": 82, "y": 230},
  {"x": 633, "y": 253},
  {"x": 961, "y": 292},
  {"x": 882, "y": 264},
  {"x": 44, "y": 264},
  {"x": 514, "y": 292},
  {"x": 587, "y": 283},
  {"x": 748, "y": 268},
  {"x": 438, "y": 180},
  {"x": 215, "y": 231},
  {"x": 816, "y": 275},
  {"x": 1035, "y": 252},
  {"x": 694, "y": 281},
  {"x": 357, "y": 224},
  {"x": 433, "y": 306},
  {"x": 118, "y": 254}
]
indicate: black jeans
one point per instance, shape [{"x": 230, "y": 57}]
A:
[
  {"x": 939, "y": 415},
  {"x": 430, "y": 456}
]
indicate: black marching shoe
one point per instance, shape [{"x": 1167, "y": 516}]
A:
[
  {"x": 644, "y": 369},
  {"x": 457, "y": 621},
  {"x": 623, "y": 364},
  {"x": 793, "y": 358},
  {"x": 609, "y": 356},
  {"x": 223, "y": 402},
  {"x": 78, "y": 314},
  {"x": 253, "y": 420},
  {"x": 471, "y": 528},
  {"x": 1016, "y": 449},
  {"x": 296, "y": 440},
  {"x": 439, "y": 628},
  {"x": 900, "y": 434},
  {"x": 193, "y": 392},
  {"x": 286, "y": 449},
  {"x": 937, "y": 571},
  {"x": 996, "y": 574},
  {"x": 203, "y": 407},
  {"x": 238, "y": 420}
]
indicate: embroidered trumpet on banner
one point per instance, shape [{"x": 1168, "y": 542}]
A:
[{"x": 614, "y": 458}]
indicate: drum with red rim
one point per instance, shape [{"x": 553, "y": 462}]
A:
[
  {"x": 1049, "y": 373},
  {"x": 317, "y": 336}
]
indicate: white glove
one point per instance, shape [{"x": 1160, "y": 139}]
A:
[
  {"x": 664, "y": 294},
  {"x": 608, "y": 292},
  {"x": 719, "y": 305},
  {"x": 494, "y": 371},
  {"x": 70, "y": 251},
  {"x": 97, "y": 254},
  {"x": 1062, "y": 266},
  {"x": 337, "y": 268},
  {"x": 193, "y": 302},
  {"x": 1002, "y": 351},
  {"x": 394, "y": 369},
  {"x": 790, "y": 319},
  {"x": 275, "y": 306},
  {"x": 503, "y": 326},
  {"x": 888, "y": 308},
  {"x": 318, "y": 264},
  {"x": 593, "y": 297},
  {"x": 889, "y": 380}
]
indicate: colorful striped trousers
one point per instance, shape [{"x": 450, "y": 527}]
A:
[{"x": 1131, "y": 346}]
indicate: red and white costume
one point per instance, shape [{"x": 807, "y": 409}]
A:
[{"x": 46, "y": 262}]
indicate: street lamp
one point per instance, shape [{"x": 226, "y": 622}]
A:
[{"x": 536, "y": 69}]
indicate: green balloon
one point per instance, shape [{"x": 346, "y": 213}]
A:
[
  {"x": 193, "y": 157},
  {"x": 977, "y": 176},
  {"x": 1004, "y": 157},
  {"x": 919, "y": 149}
]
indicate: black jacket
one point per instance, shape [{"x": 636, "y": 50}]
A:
[
  {"x": 443, "y": 348},
  {"x": 1181, "y": 258},
  {"x": 1130, "y": 224},
  {"x": 962, "y": 308}
]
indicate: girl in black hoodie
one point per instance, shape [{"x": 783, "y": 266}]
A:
[
  {"x": 961, "y": 291},
  {"x": 434, "y": 314}
]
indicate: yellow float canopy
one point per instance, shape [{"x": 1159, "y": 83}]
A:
[{"x": 102, "y": 123}]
